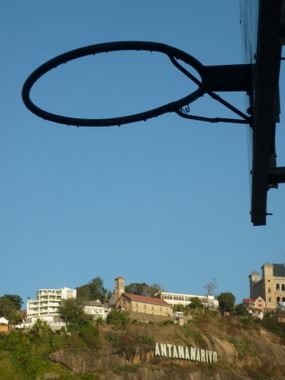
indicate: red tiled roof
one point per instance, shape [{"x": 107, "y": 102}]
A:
[
  {"x": 156, "y": 301},
  {"x": 119, "y": 277},
  {"x": 249, "y": 300}
]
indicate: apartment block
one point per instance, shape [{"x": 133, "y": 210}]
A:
[{"x": 46, "y": 305}]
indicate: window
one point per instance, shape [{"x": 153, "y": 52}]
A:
[
  {"x": 269, "y": 290},
  {"x": 269, "y": 299},
  {"x": 277, "y": 287},
  {"x": 283, "y": 287},
  {"x": 278, "y": 299}
]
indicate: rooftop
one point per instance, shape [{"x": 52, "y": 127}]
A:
[
  {"x": 279, "y": 270},
  {"x": 155, "y": 301}
]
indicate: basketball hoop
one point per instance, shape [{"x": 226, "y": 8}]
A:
[{"x": 205, "y": 85}]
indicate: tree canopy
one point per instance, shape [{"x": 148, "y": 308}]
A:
[
  {"x": 10, "y": 306},
  {"x": 211, "y": 287},
  {"x": 6, "y": 306},
  {"x": 195, "y": 303},
  {"x": 17, "y": 300},
  {"x": 226, "y": 301},
  {"x": 72, "y": 311},
  {"x": 93, "y": 290},
  {"x": 241, "y": 310},
  {"x": 142, "y": 289}
]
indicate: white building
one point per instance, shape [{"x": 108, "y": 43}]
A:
[
  {"x": 46, "y": 305},
  {"x": 96, "y": 309},
  {"x": 185, "y": 299}
]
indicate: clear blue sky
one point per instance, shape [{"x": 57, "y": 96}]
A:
[{"x": 164, "y": 201}]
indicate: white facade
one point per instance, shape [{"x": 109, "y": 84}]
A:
[
  {"x": 46, "y": 305},
  {"x": 96, "y": 309},
  {"x": 3, "y": 321},
  {"x": 185, "y": 299}
]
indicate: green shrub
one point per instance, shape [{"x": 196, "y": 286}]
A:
[
  {"x": 243, "y": 347},
  {"x": 168, "y": 322},
  {"x": 195, "y": 335},
  {"x": 145, "y": 339},
  {"x": 90, "y": 335},
  {"x": 118, "y": 318},
  {"x": 249, "y": 323},
  {"x": 127, "y": 368},
  {"x": 114, "y": 340}
]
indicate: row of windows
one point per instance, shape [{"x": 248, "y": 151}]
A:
[
  {"x": 282, "y": 287},
  {"x": 278, "y": 288},
  {"x": 176, "y": 297},
  {"x": 172, "y": 297},
  {"x": 278, "y": 299},
  {"x": 145, "y": 307}
]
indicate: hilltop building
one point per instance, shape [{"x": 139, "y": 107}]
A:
[
  {"x": 96, "y": 309},
  {"x": 119, "y": 288},
  {"x": 46, "y": 305},
  {"x": 270, "y": 287},
  {"x": 139, "y": 304},
  {"x": 257, "y": 303},
  {"x": 145, "y": 305},
  {"x": 185, "y": 299}
]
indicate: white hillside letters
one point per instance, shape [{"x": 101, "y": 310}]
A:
[{"x": 187, "y": 353}]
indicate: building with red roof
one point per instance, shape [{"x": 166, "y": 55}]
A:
[
  {"x": 256, "y": 303},
  {"x": 139, "y": 304}
]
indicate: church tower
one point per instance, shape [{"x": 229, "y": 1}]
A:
[{"x": 119, "y": 287}]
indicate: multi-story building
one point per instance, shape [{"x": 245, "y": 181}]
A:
[
  {"x": 271, "y": 286},
  {"x": 185, "y": 299},
  {"x": 46, "y": 305}
]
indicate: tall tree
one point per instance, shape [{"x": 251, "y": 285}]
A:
[
  {"x": 155, "y": 289},
  {"x": 41, "y": 329},
  {"x": 17, "y": 300},
  {"x": 142, "y": 289},
  {"x": 226, "y": 301},
  {"x": 6, "y": 307},
  {"x": 195, "y": 303},
  {"x": 71, "y": 310},
  {"x": 97, "y": 290},
  {"x": 211, "y": 287},
  {"x": 83, "y": 292},
  {"x": 139, "y": 289},
  {"x": 241, "y": 310},
  {"x": 93, "y": 290}
]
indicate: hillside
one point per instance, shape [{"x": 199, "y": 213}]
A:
[{"x": 245, "y": 350}]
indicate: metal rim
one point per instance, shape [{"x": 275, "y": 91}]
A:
[{"x": 103, "y": 48}]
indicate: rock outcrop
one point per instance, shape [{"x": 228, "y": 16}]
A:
[{"x": 241, "y": 354}]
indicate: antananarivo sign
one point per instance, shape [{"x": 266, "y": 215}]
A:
[{"x": 187, "y": 353}]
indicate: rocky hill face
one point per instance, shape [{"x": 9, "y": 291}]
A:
[{"x": 206, "y": 347}]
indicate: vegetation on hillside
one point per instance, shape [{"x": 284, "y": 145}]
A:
[
  {"x": 10, "y": 306},
  {"x": 25, "y": 355}
]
